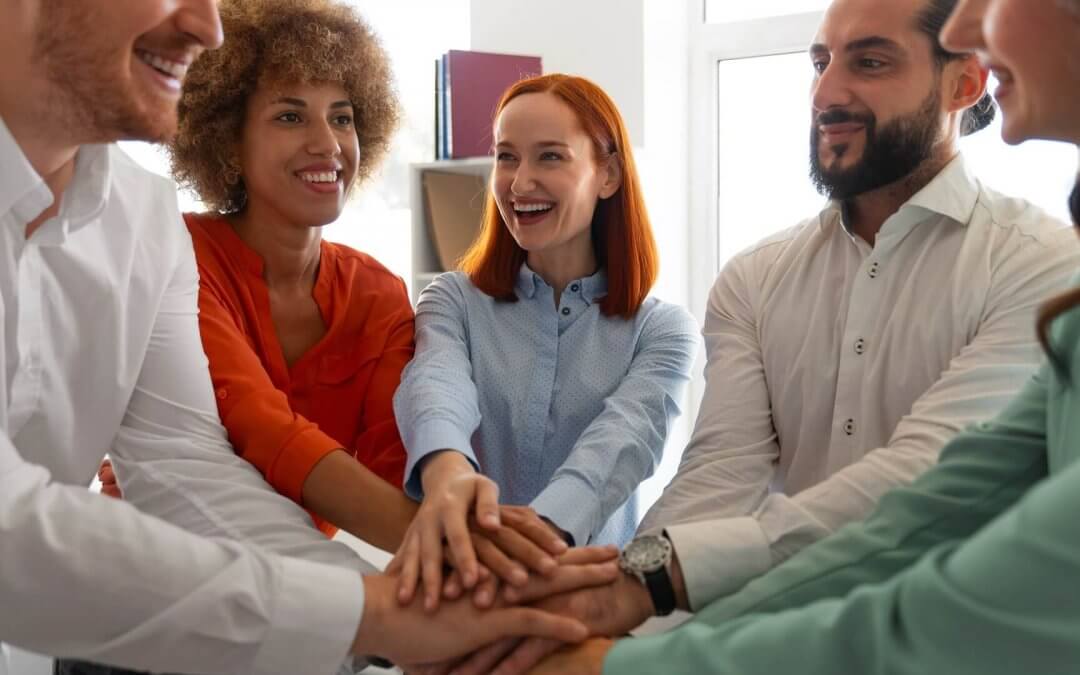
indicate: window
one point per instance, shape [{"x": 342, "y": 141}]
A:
[{"x": 726, "y": 11}]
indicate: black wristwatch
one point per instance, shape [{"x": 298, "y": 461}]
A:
[{"x": 647, "y": 559}]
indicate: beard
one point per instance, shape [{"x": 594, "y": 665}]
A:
[
  {"x": 91, "y": 93},
  {"x": 892, "y": 152}
]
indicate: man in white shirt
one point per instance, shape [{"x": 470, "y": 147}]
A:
[
  {"x": 100, "y": 351},
  {"x": 844, "y": 352}
]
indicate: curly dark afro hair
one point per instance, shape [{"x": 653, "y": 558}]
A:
[{"x": 286, "y": 41}]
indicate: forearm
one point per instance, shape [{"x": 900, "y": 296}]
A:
[
  {"x": 349, "y": 495},
  {"x": 441, "y": 467}
]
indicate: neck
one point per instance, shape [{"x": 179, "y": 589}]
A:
[
  {"x": 558, "y": 267},
  {"x": 868, "y": 212},
  {"x": 290, "y": 252}
]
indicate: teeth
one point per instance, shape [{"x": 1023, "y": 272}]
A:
[
  {"x": 319, "y": 177},
  {"x": 529, "y": 208},
  {"x": 172, "y": 68}
]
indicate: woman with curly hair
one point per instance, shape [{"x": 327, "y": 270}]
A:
[{"x": 306, "y": 339}]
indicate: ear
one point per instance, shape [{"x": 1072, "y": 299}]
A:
[
  {"x": 612, "y": 174},
  {"x": 969, "y": 83}
]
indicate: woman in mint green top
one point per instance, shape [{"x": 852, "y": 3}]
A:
[{"x": 975, "y": 568}]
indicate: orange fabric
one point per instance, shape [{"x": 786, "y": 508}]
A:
[{"x": 337, "y": 395}]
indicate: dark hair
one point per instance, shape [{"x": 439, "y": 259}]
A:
[
  {"x": 930, "y": 21},
  {"x": 1063, "y": 303}
]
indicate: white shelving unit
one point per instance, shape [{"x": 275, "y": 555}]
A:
[{"x": 425, "y": 260}]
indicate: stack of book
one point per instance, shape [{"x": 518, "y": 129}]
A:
[{"x": 468, "y": 86}]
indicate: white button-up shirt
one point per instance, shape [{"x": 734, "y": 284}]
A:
[
  {"x": 101, "y": 353},
  {"x": 837, "y": 370}
]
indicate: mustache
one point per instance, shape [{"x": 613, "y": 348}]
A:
[{"x": 840, "y": 116}]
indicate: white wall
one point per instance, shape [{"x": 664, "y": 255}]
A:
[{"x": 598, "y": 39}]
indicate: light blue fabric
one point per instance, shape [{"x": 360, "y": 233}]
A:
[{"x": 566, "y": 409}]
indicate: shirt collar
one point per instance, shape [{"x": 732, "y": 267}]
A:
[
  {"x": 590, "y": 288},
  {"x": 23, "y": 191},
  {"x": 952, "y": 193}
]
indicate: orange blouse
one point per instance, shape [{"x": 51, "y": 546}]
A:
[{"x": 337, "y": 395}]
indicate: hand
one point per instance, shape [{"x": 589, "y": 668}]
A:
[
  {"x": 587, "y": 586},
  {"x": 584, "y": 659},
  {"x": 409, "y": 636},
  {"x": 507, "y": 540},
  {"x": 109, "y": 486}
]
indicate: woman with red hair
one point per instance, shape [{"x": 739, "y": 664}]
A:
[{"x": 544, "y": 372}]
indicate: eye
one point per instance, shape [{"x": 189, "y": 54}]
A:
[
  {"x": 550, "y": 155},
  {"x": 504, "y": 157},
  {"x": 343, "y": 120},
  {"x": 289, "y": 117},
  {"x": 819, "y": 65},
  {"x": 868, "y": 63}
]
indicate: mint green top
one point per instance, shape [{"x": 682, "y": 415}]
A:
[{"x": 974, "y": 569}]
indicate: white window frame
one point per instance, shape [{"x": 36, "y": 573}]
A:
[{"x": 709, "y": 45}]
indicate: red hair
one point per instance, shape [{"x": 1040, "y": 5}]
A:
[{"x": 621, "y": 233}]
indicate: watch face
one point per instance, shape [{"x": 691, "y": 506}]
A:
[{"x": 647, "y": 554}]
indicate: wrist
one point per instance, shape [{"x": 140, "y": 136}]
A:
[
  {"x": 678, "y": 582},
  {"x": 635, "y": 603},
  {"x": 378, "y": 598},
  {"x": 441, "y": 467}
]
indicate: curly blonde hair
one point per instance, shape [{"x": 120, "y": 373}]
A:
[{"x": 304, "y": 41}]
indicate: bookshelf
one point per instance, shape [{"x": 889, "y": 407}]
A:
[{"x": 426, "y": 264}]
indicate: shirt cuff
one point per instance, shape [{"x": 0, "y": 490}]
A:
[
  {"x": 314, "y": 619},
  {"x": 432, "y": 436},
  {"x": 718, "y": 557},
  {"x": 572, "y": 505},
  {"x": 298, "y": 459}
]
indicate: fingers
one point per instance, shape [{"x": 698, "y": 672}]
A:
[
  {"x": 589, "y": 555},
  {"x": 567, "y": 578},
  {"x": 431, "y": 564},
  {"x": 498, "y": 562},
  {"x": 111, "y": 491},
  {"x": 486, "y": 592},
  {"x": 106, "y": 473},
  {"x": 527, "y": 655},
  {"x": 487, "y": 503},
  {"x": 409, "y": 568},
  {"x": 459, "y": 541},
  {"x": 482, "y": 661},
  {"x": 521, "y": 549},
  {"x": 530, "y": 622},
  {"x": 534, "y": 528}
]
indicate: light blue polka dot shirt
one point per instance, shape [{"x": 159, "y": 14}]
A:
[{"x": 567, "y": 410}]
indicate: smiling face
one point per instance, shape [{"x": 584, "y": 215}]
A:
[
  {"x": 877, "y": 97},
  {"x": 298, "y": 152},
  {"x": 113, "y": 69},
  {"x": 1031, "y": 46},
  {"x": 547, "y": 180}
]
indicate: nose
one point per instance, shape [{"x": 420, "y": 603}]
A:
[
  {"x": 831, "y": 89},
  {"x": 523, "y": 182},
  {"x": 322, "y": 141},
  {"x": 963, "y": 31},
  {"x": 199, "y": 20}
]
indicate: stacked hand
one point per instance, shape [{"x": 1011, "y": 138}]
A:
[{"x": 507, "y": 557}]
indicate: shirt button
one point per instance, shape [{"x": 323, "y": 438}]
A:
[
  {"x": 873, "y": 271},
  {"x": 849, "y": 427},
  {"x": 574, "y": 288},
  {"x": 860, "y": 346},
  {"x": 222, "y": 394},
  {"x": 566, "y": 311}
]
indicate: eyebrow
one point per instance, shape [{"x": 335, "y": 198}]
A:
[
  {"x": 872, "y": 42},
  {"x": 541, "y": 144},
  {"x": 301, "y": 103}
]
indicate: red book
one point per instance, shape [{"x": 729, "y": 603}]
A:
[{"x": 475, "y": 82}]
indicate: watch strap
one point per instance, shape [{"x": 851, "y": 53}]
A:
[{"x": 661, "y": 590}]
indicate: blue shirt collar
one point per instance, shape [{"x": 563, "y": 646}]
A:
[{"x": 589, "y": 288}]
